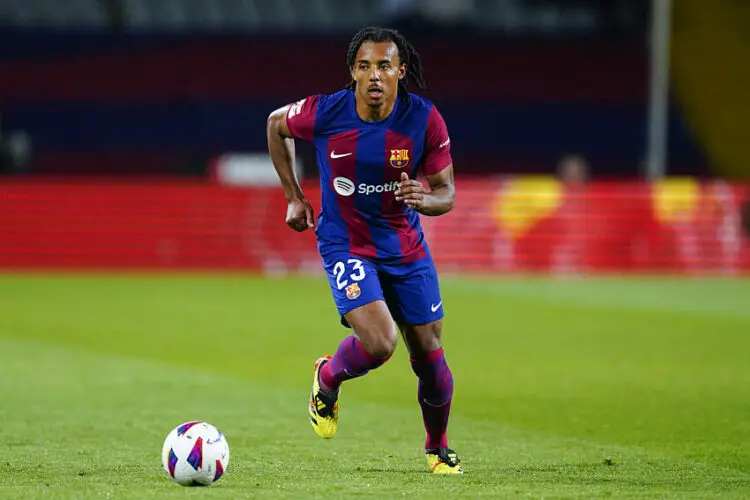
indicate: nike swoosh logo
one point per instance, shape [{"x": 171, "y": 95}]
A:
[
  {"x": 447, "y": 141},
  {"x": 435, "y": 307},
  {"x": 334, "y": 155}
]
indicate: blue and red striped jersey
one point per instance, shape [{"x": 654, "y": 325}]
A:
[{"x": 360, "y": 164}]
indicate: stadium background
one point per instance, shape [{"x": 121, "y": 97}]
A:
[
  {"x": 138, "y": 132},
  {"x": 596, "y": 312}
]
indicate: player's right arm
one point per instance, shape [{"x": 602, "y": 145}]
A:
[{"x": 283, "y": 125}]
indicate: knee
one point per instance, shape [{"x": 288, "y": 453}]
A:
[
  {"x": 379, "y": 341},
  {"x": 373, "y": 326}
]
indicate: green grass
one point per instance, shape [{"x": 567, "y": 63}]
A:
[{"x": 564, "y": 388}]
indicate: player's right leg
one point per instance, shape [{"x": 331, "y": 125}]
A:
[{"x": 359, "y": 299}]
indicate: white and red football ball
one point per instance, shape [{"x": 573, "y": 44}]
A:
[{"x": 195, "y": 454}]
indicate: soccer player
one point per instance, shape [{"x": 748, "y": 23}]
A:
[{"x": 372, "y": 139}]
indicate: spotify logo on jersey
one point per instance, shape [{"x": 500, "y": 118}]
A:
[{"x": 343, "y": 186}]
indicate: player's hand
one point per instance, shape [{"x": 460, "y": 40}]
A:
[
  {"x": 299, "y": 215},
  {"x": 410, "y": 191}
]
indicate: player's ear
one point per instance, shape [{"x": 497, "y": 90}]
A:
[{"x": 402, "y": 72}]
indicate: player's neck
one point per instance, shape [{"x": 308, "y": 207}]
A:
[{"x": 375, "y": 114}]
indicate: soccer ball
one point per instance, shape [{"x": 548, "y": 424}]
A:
[{"x": 195, "y": 454}]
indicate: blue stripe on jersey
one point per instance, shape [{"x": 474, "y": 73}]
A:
[
  {"x": 370, "y": 151},
  {"x": 330, "y": 217}
]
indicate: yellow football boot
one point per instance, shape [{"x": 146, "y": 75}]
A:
[
  {"x": 443, "y": 461},
  {"x": 324, "y": 407}
]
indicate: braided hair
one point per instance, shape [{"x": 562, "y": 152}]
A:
[{"x": 406, "y": 53}]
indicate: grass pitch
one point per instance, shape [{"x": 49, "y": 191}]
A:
[{"x": 564, "y": 388}]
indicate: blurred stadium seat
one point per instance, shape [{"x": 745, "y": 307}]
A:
[
  {"x": 186, "y": 77},
  {"x": 150, "y": 89}
]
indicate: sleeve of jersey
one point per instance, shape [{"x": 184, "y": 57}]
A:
[
  {"x": 300, "y": 118},
  {"x": 438, "y": 144}
]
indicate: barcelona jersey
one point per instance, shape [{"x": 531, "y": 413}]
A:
[{"x": 360, "y": 165}]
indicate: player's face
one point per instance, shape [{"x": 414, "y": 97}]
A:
[{"x": 377, "y": 70}]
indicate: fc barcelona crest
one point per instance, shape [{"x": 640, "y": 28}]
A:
[
  {"x": 353, "y": 291},
  {"x": 399, "y": 157}
]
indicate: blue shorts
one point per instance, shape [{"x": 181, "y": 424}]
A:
[{"x": 411, "y": 291}]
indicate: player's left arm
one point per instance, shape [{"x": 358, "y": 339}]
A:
[
  {"x": 438, "y": 201},
  {"x": 437, "y": 168}
]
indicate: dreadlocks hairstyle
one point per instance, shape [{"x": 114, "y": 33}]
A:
[{"x": 406, "y": 54}]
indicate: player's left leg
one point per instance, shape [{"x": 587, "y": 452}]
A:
[
  {"x": 413, "y": 295},
  {"x": 434, "y": 392}
]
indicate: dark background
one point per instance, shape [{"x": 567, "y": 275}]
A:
[{"x": 130, "y": 88}]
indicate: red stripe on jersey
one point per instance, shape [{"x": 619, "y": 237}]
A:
[
  {"x": 301, "y": 116},
  {"x": 399, "y": 155},
  {"x": 437, "y": 153},
  {"x": 342, "y": 159}
]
